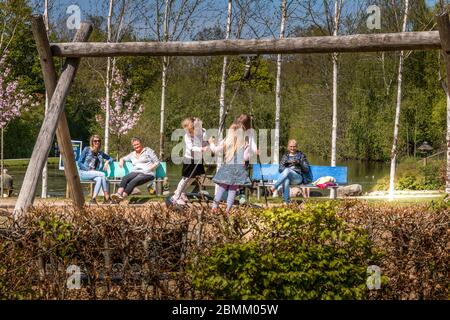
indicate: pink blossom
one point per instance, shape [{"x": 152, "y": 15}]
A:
[
  {"x": 124, "y": 115},
  {"x": 12, "y": 100}
]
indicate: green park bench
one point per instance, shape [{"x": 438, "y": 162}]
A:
[{"x": 115, "y": 173}]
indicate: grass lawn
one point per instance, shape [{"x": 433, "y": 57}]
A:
[{"x": 24, "y": 162}]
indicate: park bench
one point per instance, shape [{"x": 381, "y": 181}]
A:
[
  {"x": 271, "y": 174},
  {"x": 115, "y": 174}
]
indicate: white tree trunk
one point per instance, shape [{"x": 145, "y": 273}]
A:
[
  {"x": 108, "y": 80},
  {"x": 44, "y": 189},
  {"x": 224, "y": 68},
  {"x": 164, "y": 82},
  {"x": 223, "y": 82},
  {"x": 337, "y": 15},
  {"x": 397, "y": 110},
  {"x": 276, "y": 155},
  {"x": 163, "y": 106}
]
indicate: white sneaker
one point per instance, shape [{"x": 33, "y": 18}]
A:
[
  {"x": 184, "y": 197},
  {"x": 116, "y": 197},
  {"x": 181, "y": 202}
]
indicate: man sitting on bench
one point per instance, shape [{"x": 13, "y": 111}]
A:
[
  {"x": 144, "y": 162},
  {"x": 7, "y": 183},
  {"x": 294, "y": 169}
]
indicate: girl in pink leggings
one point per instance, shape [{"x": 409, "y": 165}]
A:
[{"x": 231, "y": 175}]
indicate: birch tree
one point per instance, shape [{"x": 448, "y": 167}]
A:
[
  {"x": 108, "y": 78},
  {"x": 170, "y": 20},
  {"x": 112, "y": 36},
  {"x": 276, "y": 156},
  {"x": 224, "y": 68},
  {"x": 337, "y": 17},
  {"x": 44, "y": 190},
  {"x": 397, "y": 110}
]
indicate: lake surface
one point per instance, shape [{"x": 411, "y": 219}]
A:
[{"x": 359, "y": 172}]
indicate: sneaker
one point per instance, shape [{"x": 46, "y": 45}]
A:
[
  {"x": 109, "y": 201},
  {"x": 116, "y": 197},
  {"x": 180, "y": 202},
  {"x": 184, "y": 197},
  {"x": 93, "y": 202}
]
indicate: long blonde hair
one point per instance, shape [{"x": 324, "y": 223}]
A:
[
  {"x": 234, "y": 141},
  {"x": 91, "y": 142}
]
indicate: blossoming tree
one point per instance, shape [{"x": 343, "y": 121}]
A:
[
  {"x": 13, "y": 101},
  {"x": 125, "y": 109}
]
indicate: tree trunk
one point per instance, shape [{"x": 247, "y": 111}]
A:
[
  {"x": 108, "y": 80},
  {"x": 44, "y": 170},
  {"x": 164, "y": 82},
  {"x": 276, "y": 155},
  {"x": 337, "y": 17},
  {"x": 444, "y": 32},
  {"x": 163, "y": 107},
  {"x": 397, "y": 111},
  {"x": 224, "y": 68},
  {"x": 447, "y": 180}
]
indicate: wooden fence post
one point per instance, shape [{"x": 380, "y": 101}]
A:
[
  {"x": 444, "y": 33},
  {"x": 48, "y": 129}
]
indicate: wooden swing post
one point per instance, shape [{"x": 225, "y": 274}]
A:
[{"x": 58, "y": 91}]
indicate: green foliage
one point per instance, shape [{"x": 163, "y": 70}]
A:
[
  {"x": 57, "y": 235},
  {"x": 307, "y": 254},
  {"x": 411, "y": 174},
  {"x": 366, "y": 101}
]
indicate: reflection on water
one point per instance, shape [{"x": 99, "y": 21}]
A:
[{"x": 359, "y": 172}]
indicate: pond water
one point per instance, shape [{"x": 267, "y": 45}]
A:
[{"x": 359, "y": 172}]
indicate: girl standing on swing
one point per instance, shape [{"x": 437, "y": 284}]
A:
[
  {"x": 195, "y": 145},
  {"x": 231, "y": 175}
]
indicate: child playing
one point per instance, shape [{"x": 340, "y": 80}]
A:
[
  {"x": 194, "y": 140},
  {"x": 231, "y": 174}
]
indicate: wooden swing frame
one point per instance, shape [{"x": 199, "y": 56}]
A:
[{"x": 58, "y": 88}]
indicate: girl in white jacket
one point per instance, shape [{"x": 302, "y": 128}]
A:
[{"x": 195, "y": 145}]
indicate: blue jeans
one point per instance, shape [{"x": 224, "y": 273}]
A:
[
  {"x": 99, "y": 178},
  {"x": 287, "y": 177}
]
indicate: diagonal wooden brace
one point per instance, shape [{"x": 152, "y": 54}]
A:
[
  {"x": 58, "y": 92},
  {"x": 443, "y": 23}
]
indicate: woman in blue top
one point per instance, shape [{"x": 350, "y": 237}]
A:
[{"x": 91, "y": 161}]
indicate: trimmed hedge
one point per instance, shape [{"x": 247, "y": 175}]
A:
[{"x": 309, "y": 251}]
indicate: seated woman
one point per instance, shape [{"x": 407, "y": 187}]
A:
[
  {"x": 91, "y": 161},
  {"x": 144, "y": 162},
  {"x": 294, "y": 169},
  {"x": 7, "y": 182}
]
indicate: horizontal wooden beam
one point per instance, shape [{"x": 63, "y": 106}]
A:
[{"x": 427, "y": 40}]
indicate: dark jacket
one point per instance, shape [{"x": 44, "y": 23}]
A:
[
  {"x": 87, "y": 158},
  {"x": 298, "y": 163}
]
